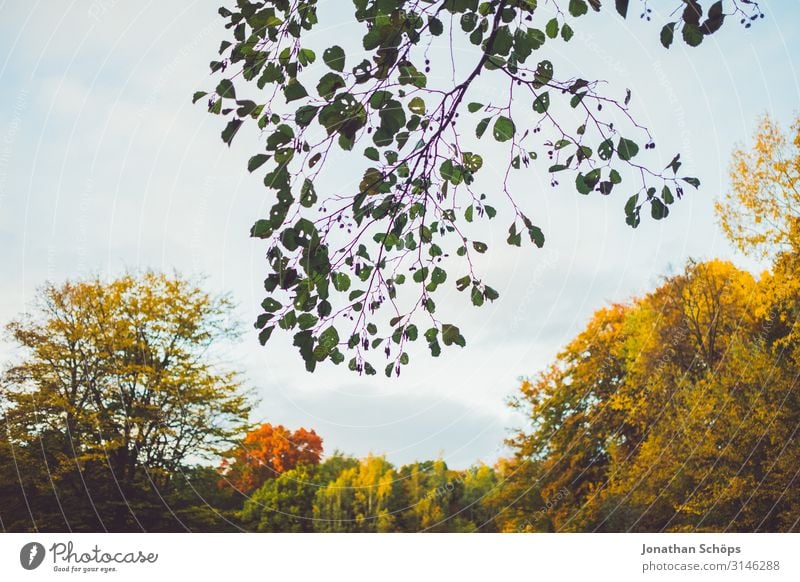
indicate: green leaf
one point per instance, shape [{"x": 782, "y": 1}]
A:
[
  {"x": 666, "y": 195},
  {"x": 543, "y": 74},
  {"x": 451, "y": 172},
  {"x": 308, "y": 196},
  {"x": 479, "y": 246},
  {"x": 503, "y": 41},
  {"x": 566, "y": 32},
  {"x": 578, "y": 7},
  {"x": 431, "y": 333},
  {"x": 329, "y": 338},
  {"x": 198, "y": 95},
  {"x": 536, "y": 38},
  {"x": 261, "y": 229},
  {"x": 305, "y": 342},
  {"x": 667, "y": 34},
  {"x": 692, "y": 34},
  {"x": 476, "y": 296},
  {"x": 657, "y": 209},
  {"x": 294, "y": 91},
  {"x": 341, "y": 282},
  {"x": 626, "y": 149},
  {"x": 226, "y": 90},
  {"x": 435, "y": 26},
  {"x": 536, "y": 235},
  {"x": 472, "y": 162},
  {"x": 438, "y": 276},
  {"x": 630, "y": 205},
  {"x": 551, "y": 29},
  {"x": 334, "y": 57},
  {"x": 463, "y": 282},
  {"x": 481, "y": 127},
  {"x": 380, "y": 99},
  {"x": 230, "y": 130},
  {"x": 542, "y": 102},
  {"x": 256, "y": 162},
  {"x": 306, "y": 56},
  {"x": 503, "y": 129},
  {"x": 307, "y": 321},
  {"x": 265, "y": 334},
  {"x": 452, "y": 335},
  {"x": 328, "y": 84},
  {"x": 675, "y": 164},
  {"x": 473, "y": 107},
  {"x": 336, "y": 356},
  {"x": 606, "y": 149},
  {"x": 305, "y": 115},
  {"x": 693, "y": 181},
  {"x": 409, "y": 75},
  {"x": 417, "y": 105},
  {"x": 271, "y": 305},
  {"x": 586, "y": 183}
]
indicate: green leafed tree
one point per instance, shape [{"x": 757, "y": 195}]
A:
[
  {"x": 286, "y": 504},
  {"x": 392, "y": 99}
]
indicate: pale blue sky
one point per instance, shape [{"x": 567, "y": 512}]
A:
[{"x": 106, "y": 165}]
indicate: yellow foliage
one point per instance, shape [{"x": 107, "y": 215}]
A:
[
  {"x": 675, "y": 412},
  {"x": 760, "y": 212}
]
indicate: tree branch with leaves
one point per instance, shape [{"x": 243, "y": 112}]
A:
[{"x": 353, "y": 273}]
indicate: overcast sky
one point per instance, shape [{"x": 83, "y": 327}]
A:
[{"x": 105, "y": 165}]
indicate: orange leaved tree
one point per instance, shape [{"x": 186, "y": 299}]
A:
[{"x": 268, "y": 451}]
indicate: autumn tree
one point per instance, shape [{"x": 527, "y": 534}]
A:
[
  {"x": 116, "y": 386},
  {"x": 687, "y": 390},
  {"x": 515, "y": 503},
  {"x": 678, "y": 411},
  {"x": 430, "y": 493},
  {"x": 343, "y": 494},
  {"x": 364, "y": 498},
  {"x": 416, "y": 99},
  {"x": 266, "y": 453},
  {"x": 570, "y": 407},
  {"x": 759, "y": 214},
  {"x": 674, "y": 412}
]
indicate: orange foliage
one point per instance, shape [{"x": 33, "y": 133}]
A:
[{"x": 267, "y": 452}]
